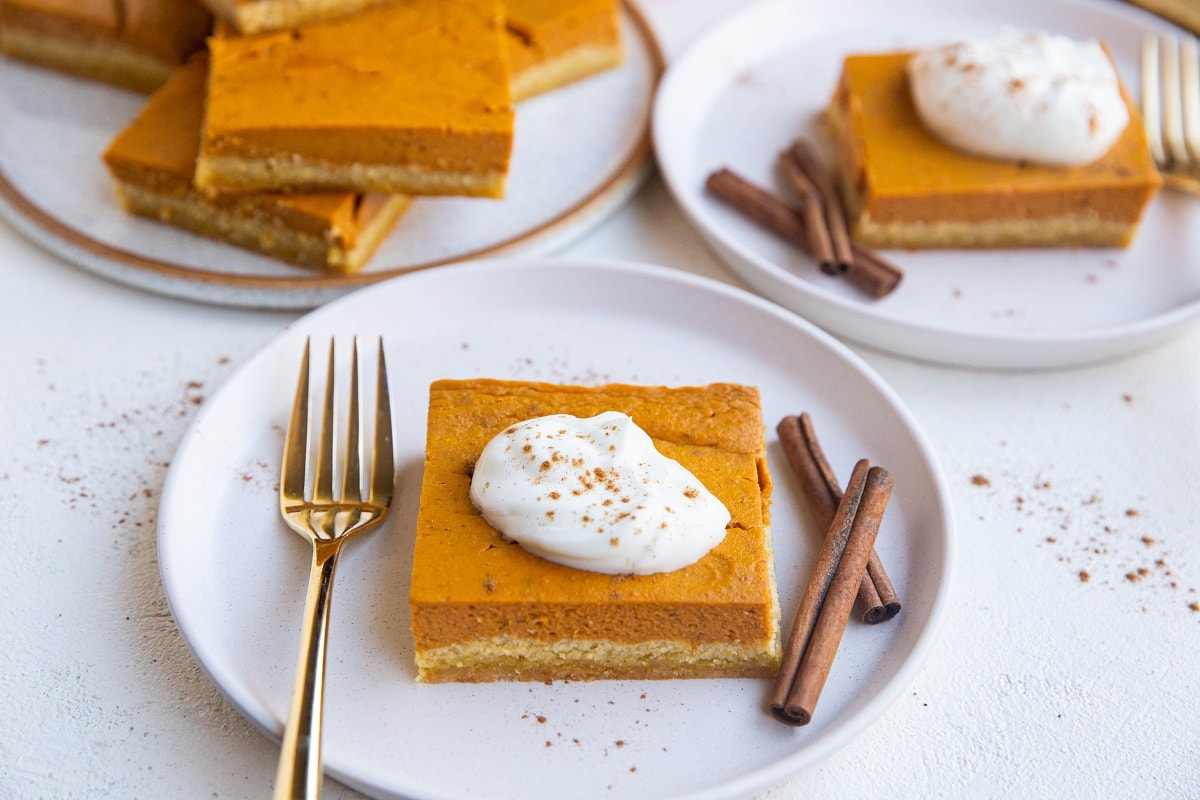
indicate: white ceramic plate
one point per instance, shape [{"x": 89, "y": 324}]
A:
[
  {"x": 234, "y": 574},
  {"x": 742, "y": 92},
  {"x": 579, "y": 153}
]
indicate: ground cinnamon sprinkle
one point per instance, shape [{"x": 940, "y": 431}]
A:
[{"x": 1103, "y": 546}]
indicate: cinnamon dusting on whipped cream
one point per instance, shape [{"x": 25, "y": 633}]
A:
[
  {"x": 1039, "y": 97},
  {"x": 595, "y": 494}
]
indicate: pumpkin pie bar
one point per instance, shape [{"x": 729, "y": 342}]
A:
[
  {"x": 903, "y": 187},
  {"x": 130, "y": 43},
  {"x": 553, "y": 42},
  {"x": 485, "y": 609},
  {"x": 556, "y": 42},
  {"x": 261, "y": 16},
  {"x": 152, "y": 160},
  {"x": 412, "y": 97}
]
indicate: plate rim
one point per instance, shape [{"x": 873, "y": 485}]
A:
[
  {"x": 751, "y": 782},
  {"x": 851, "y": 318},
  {"x": 308, "y": 288}
]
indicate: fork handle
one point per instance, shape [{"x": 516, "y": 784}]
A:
[{"x": 299, "y": 772}]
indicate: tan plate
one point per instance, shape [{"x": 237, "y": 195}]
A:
[{"x": 580, "y": 152}]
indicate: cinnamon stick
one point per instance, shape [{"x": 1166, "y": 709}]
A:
[
  {"x": 759, "y": 205},
  {"x": 883, "y": 587},
  {"x": 795, "y": 705},
  {"x": 815, "y": 591},
  {"x": 820, "y": 246},
  {"x": 877, "y": 600},
  {"x": 873, "y": 274},
  {"x": 835, "y": 219}
]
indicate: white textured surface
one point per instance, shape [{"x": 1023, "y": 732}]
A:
[{"x": 1042, "y": 685}]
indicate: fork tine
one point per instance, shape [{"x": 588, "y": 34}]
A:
[
  {"x": 1189, "y": 65},
  {"x": 352, "y": 476},
  {"x": 323, "y": 487},
  {"x": 1152, "y": 98},
  {"x": 295, "y": 444},
  {"x": 383, "y": 460},
  {"x": 1172, "y": 103}
]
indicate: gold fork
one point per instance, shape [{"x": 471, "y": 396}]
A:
[
  {"x": 1171, "y": 107},
  {"x": 327, "y": 520}
]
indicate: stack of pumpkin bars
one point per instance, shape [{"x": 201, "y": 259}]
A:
[{"x": 302, "y": 128}]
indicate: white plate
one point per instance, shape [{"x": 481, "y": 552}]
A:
[
  {"x": 234, "y": 575},
  {"x": 743, "y": 91},
  {"x": 578, "y": 153}
]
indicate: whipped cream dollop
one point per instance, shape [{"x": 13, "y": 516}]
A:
[
  {"x": 595, "y": 494},
  {"x": 1038, "y": 97}
]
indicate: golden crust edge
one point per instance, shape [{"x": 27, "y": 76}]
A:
[{"x": 329, "y": 252}]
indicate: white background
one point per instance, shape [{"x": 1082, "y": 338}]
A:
[{"x": 1066, "y": 667}]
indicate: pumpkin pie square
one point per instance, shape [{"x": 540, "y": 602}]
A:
[
  {"x": 412, "y": 98},
  {"x": 135, "y": 44},
  {"x": 152, "y": 161},
  {"x": 484, "y": 609},
  {"x": 553, "y": 43},
  {"x": 261, "y": 16},
  {"x": 904, "y": 188}
]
